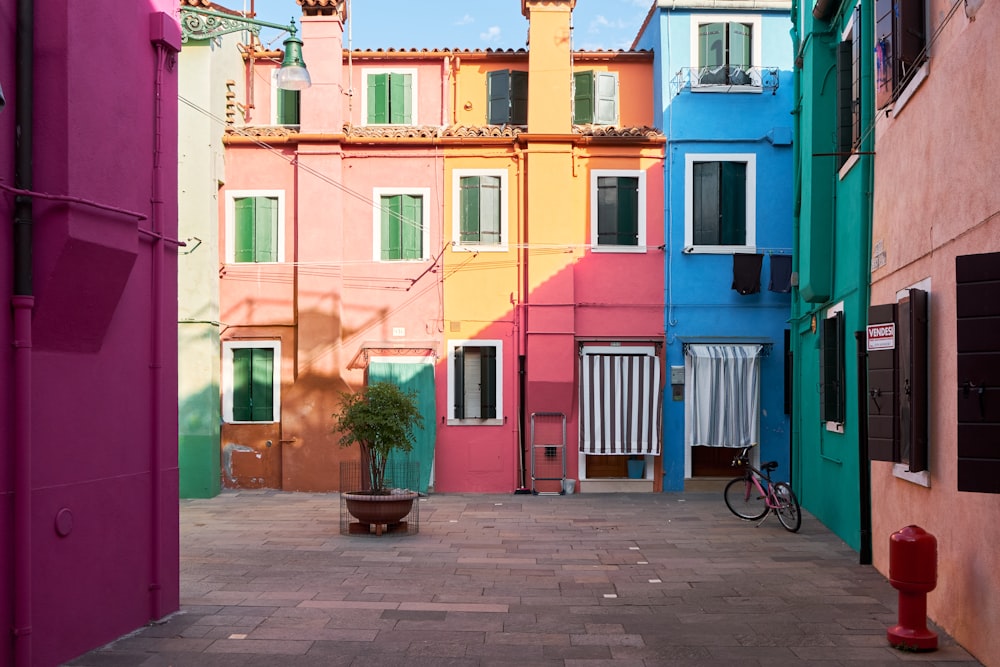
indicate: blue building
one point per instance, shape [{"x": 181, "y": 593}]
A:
[{"x": 724, "y": 98}]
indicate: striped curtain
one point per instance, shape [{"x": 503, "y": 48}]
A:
[
  {"x": 620, "y": 404},
  {"x": 722, "y": 395}
]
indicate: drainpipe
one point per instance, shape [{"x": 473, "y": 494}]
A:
[{"x": 22, "y": 303}]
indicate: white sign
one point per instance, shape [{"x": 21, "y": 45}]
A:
[{"x": 882, "y": 336}]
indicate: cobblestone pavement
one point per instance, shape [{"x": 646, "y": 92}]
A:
[{"x": 581, "y": 580}]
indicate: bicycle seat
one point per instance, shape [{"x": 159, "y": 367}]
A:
[{"x": 769, "y": 466}]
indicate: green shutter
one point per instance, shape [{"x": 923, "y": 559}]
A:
[
  {"x": 606, "y": 98},
  {"x": 378, "y": 98},
  {"x": 469, "y": 209},
  {"x": 243, "y": 231},
  {"x": 628, "y": 211},
  {"x": 265, "y": 229},
  {"x": 242, "y": 359},
  {"x": 607, "y": 210},
  {"x": 519, "y": 98},
  {"x": 739, "y": 45},
  {"x": 262, "y": 392},
  {"x": 733, "y": 203},
  {"x": 458, "y": 382},
  {"x": 400, "y": 86},
  {"x": 288, "y": 107},
  {"x": 583, "y": 97},
  {"x": 391, "y": 215},
  {"x": 705, "y": 216},
  {"x": 412, "y": 229},
  {"x": 488, "y": 382},
  {"x": 711, "y": 44},
  {"x": 831, "y": 370},
  {"x": 498, "y": 97}
]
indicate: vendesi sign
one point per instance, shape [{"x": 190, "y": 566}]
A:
[{"x": 881, "y": 336}]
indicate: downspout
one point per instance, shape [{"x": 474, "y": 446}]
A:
[{"x": 22, "y": 304}]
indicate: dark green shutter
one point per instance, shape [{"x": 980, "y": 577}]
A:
[
  {"x": 242, "y": 383},
  {"x": 400, "y": 85},
  {"x": 244, "y": 229},
  {"x": 411, "y": 233},
  {"x": 488, "y": 382},
  {"x": 469, "y": 209},
  {"x": 628, "y": 211},
  {"x": 607, "y": 210},
  {"x": 262, "y": 391},
  {"x": 518, "y": 98},
  {"x": 459, "y": 382},
  {"x": 733, "y": 203},
  {"x": 391, "y": 241},
  {"x": 583, "y": 97},
  {"x": 831, "y": 376},
  {"x": 378, "y": 98},
  {"x": 288, "y": 107},
  {"x": 265, "y": 229},
  {"x": 845, "y": 100},
  {"x": 706, "y": 213},
  {"x": 498, "y": 97}
]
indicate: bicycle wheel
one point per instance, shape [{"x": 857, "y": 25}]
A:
[
  {"x": 744, "y": 500},
  {"x": 788, "y": 507}
]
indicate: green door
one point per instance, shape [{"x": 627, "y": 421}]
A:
[{"x": 418, "y": 378}]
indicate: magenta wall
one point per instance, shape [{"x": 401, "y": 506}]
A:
[{"x": 98, "y": 421}]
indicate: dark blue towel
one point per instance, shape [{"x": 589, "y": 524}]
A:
[{"x": 781, "y": 274}]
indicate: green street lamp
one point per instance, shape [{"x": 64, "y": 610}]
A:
[{"x": 207, "y": 24}]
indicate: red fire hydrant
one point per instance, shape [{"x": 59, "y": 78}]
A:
[{"x": 913, "y": 572}]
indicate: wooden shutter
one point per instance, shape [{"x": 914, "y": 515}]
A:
[
  {"x": 883, "y": 438},
  {"x": 711, "y": 44},
  {"x": 518, "y": 98},
  {"x": 498, "y": 105},
  {"x": 607, "y": 210},
  {"x": 458, "y": 382},
  {"x": 400, "y": 96},
  {"x": 262, "y": 391},
  {"x": 705, "y": 216},
  {"x": 733, "y": 203},
  {"x": 583, "y": 97},
  {"x": 411, "y": 232},
  {"x": 912, "y": 380},
  {"x": 243, "y": 229},
  {"x": 265, "y": 229},
  {"x": 488, "y": 382},
  {"x": 469, "y": 209},
  {"x": 606, "y": 98},
  {"x": 740, "y": 36},
  {"x": 242, "y": 384},
  {"x": 628, "y": 211},
  {"x": 489, "y": 209},
  {"x": 977, "y": 287},
  {"x": 831, "y": 370},
  {"x": 378, "y": 98},
  {"x": 288, "y": 107},
  {"x": 391, "y": 240},
  {"x": 845, "y": 100}
]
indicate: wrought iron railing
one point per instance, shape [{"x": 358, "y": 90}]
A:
[{"x": 725, "y": 78}]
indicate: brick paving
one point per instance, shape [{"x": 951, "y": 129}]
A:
[{"x": 581, "y": 580}]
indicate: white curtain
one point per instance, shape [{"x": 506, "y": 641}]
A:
[
  {"x": 722, "y": 395},
  {"x": 620, "y": 404}
]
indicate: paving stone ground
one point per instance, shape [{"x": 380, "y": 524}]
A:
[{"x": 581, "y": 580}]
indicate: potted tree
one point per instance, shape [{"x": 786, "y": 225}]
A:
[{"x": 381, "y": 418}]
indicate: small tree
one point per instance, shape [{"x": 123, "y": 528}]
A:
[{"x": 381, "y": 418}]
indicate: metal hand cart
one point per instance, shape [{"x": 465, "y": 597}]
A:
[{"x": 548, "y": 453}]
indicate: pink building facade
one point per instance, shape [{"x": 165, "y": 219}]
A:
[{"x": 88, "y": 489}]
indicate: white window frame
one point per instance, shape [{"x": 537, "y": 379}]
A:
[
  {"x": 425, "y": 232},
  {"x": 751, "y": 202},
  {"x": 641, "y": 222},
  {"x": 456, "y": 211},
  {"x": 227, "y": 378},
  {"x": 756, "y": 37},
  {"x": 366, "y": 71},
  {"x": 231, "y": 197},
  {"x": 452, "y": 421}
]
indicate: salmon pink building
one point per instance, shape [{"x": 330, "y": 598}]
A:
[
  {"x": 483, "y": 227},
  {"x": 88, "y": 453}
]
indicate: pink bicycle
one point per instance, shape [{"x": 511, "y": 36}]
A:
[{"x": 753, "y": 495}]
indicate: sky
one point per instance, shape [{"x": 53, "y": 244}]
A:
[{"x": 462, "y": 24}]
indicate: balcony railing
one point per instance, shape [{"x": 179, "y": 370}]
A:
[{"x": 725, "y": 79}]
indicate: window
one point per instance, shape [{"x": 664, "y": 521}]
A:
[
  {"x": 720, "y": 203},
  {"x": 900, "y": 46},
  {"x": 475, "y": 383},
  {"x": 724, "y": 48},
  {"x": 618, "y": 211},
  {"x": 480, "y": 209},
  {"x": 251, "y": 386},
  {"x": 595, "y": 98},
  {"x": 831, "y": 370},
  {"x": 401, "y": 231},
  {"x": 285, "y": 103},
  {"x": 849, "y": 90},
  {"x": 390, "y": 97},
  {"x": 254, "y": 226},
  {"x": 507, "y": 97}
]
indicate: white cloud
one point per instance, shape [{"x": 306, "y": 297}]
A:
[
  {"x": 465, "y": 20},
  {"x": 492, "y": 34},
  {"x": 600, "y": 22}
]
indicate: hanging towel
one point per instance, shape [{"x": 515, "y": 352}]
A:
[
  {"x": 746, "y": 273},
  {"x": 781, "y": 274}
]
